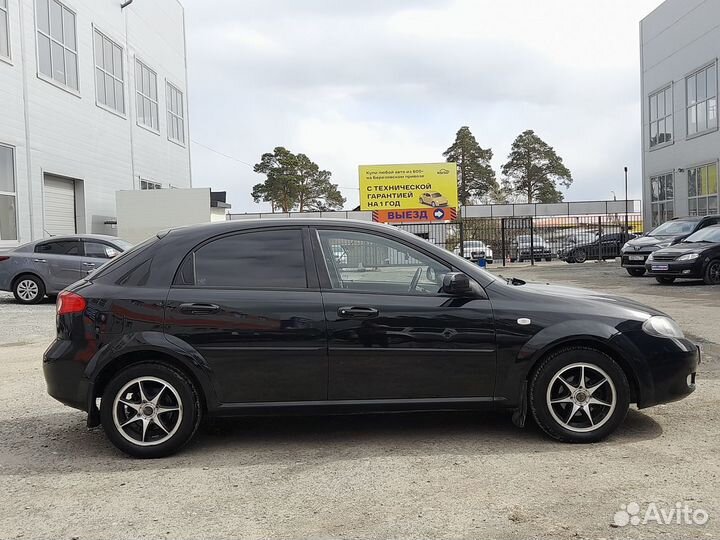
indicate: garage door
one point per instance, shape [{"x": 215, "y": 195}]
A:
[{"x": 59, "y": 206}]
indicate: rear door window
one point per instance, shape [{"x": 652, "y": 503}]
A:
[
  {"x": 99, "y": 250},
  {"x": 254, "y": 260},
  {"x": 59, "y": 247}
]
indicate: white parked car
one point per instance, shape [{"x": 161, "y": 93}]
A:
[{"x": 474, "y": 249}]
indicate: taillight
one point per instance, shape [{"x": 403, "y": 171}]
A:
[
  {"x": 4, "y": 259},
  {"x": 69, "y": 302}
]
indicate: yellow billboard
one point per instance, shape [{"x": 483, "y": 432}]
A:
[{"x": 411, "y": 186}]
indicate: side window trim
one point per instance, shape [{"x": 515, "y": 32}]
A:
[{"x": 309, "y": 265}]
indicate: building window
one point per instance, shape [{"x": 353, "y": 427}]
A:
[
  {"x": 175, "y": 114},
  {"x": 109, "y": 74},
  {"x": 8, "y": 207},
  {"x": 4, "y": 30},
  {"x": 147, "y": 184},
  {"x": 147, "y": 100},
  {"x": 701, "y": 96},
  {"x": 703, "y": 190},
  {"x": 57, "y": 43},
  {"x": 661, "y": 117},
  {"x": 662, "y": 198}
]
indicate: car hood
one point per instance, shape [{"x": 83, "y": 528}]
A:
[
  {"x": 646, "y": 241},
  {"x": 597, "y": 303},
  {"x": 686, "y": 247}
]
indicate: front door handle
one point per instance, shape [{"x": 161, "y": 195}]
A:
[
  {"x": 357, "y": 312},
  {"x": 199, "y": 309},
  {"x": 92, "y": 265}
]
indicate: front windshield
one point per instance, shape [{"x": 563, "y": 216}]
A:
[
  {"x": 673, "y": 228},
  {"x": 710, "y": 234},
  {"x": 122, "y": 244}
]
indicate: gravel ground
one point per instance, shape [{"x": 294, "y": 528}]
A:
[{"x": 439, "y": 475}]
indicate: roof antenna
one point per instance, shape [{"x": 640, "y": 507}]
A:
[{"x": 125, "y": 4}]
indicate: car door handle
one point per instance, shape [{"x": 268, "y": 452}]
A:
[
  {"x": 40, "y": 260},
  {"x": 357, "y": 312},
  {"x": 199, "y": 309},
  {"x": 89, "y": 264}
]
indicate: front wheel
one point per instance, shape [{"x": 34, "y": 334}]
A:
[
  {"x": 712, "y": 273},
  {"x": 579, "y": 395},
  {"x": 662, "y": 280},
  {"x": 636, "y": 272},
  {"x": 580, "y": 255},
  {"x": 150, "y": 410}
]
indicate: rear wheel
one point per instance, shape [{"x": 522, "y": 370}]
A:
[
  {"x": 662, "y": 280},
  {"x": 580, "y": 255},
  {"x": 29, "y": 289},
  {"x": 636, "y": 272},
  {"x": 712, "y": 273},
  {"x": 579, "y": 395},
  {"x": 150, "y": 410}
]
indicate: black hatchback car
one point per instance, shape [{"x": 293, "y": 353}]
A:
[
  {"x": 263, "y": 317},
  {"x": 698, "y": 257}
]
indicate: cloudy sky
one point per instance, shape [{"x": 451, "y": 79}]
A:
[{"x": 351, "y": 82}]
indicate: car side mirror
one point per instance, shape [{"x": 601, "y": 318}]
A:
[{"x": 456, "y": 283}]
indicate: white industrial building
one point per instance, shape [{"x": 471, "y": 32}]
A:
[
  {"x": 93, "y": 100},
  {"x": 679, "y": 49}
]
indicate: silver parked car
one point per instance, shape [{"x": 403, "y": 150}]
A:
[{"x": 46, "y": 267}]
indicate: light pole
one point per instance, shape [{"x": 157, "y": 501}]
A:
[{"x": 626, "y": 203}]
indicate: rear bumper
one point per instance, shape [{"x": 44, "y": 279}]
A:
[{"x": 65, "y": 377}]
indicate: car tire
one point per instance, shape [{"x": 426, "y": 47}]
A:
[
  {"x": 139, "y": 392},
  {"x": 712, "y": 273},
  {"x": 28, "y": 289},
  {"x": 636, "y": 272},
  {"x": 580, "y": 256},
  {"x": 662, "y": 280},
  {"x": 433, "y": 204},
  {"x": 560, "y": 402},
  {"x": 548, "y": 259}
]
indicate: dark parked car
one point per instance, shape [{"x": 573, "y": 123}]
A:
[
  {"x": 698, "y": 256},
  {"x": 263, "y": 317},
  {"x": 636, "y": 251},
  {"x": 606, "y": 247},
  {"x": 48, "y": 266},
  {"x": 522, "y": 245}
]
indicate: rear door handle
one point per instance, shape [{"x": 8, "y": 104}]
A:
[
  {"x": 199, "y": 309},
  {"x": 357, "y": 312},
  {"x": 39, "y": 260}
]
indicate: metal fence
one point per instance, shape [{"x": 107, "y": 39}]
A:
[{"x": 533, "y": 239}]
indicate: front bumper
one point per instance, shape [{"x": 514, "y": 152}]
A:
[
  {"x": 65, "y": 376},
  {"x": 677, "y": 269},
  {"x": 627, "y": 262},
  {"x": 664, "y": 369}
]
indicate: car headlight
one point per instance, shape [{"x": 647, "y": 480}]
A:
[
  {"x": 651, "y": 257},
  {"x": 688, "y": 257},
  {"x": 660, "y": 326},
  {"x": 625, "y": 246}
]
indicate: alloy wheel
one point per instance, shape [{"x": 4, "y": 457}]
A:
[
  {"x": 147, "y": 411},
  {"x": 27, "y": 290},
  {"x": 581, "y": 397},
  {"x": 580, "y": 256},
  {"x": 713, "y": 272}
]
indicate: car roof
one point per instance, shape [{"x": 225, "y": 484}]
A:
[
  {"x": 75, "y": 237},
  {"x": 695, "y": 218},
  {"x": 222, "y": 227}
]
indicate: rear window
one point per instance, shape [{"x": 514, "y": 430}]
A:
[
  {"x": 256, "y": 260},
  {"x": 123, "y": 257}
]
